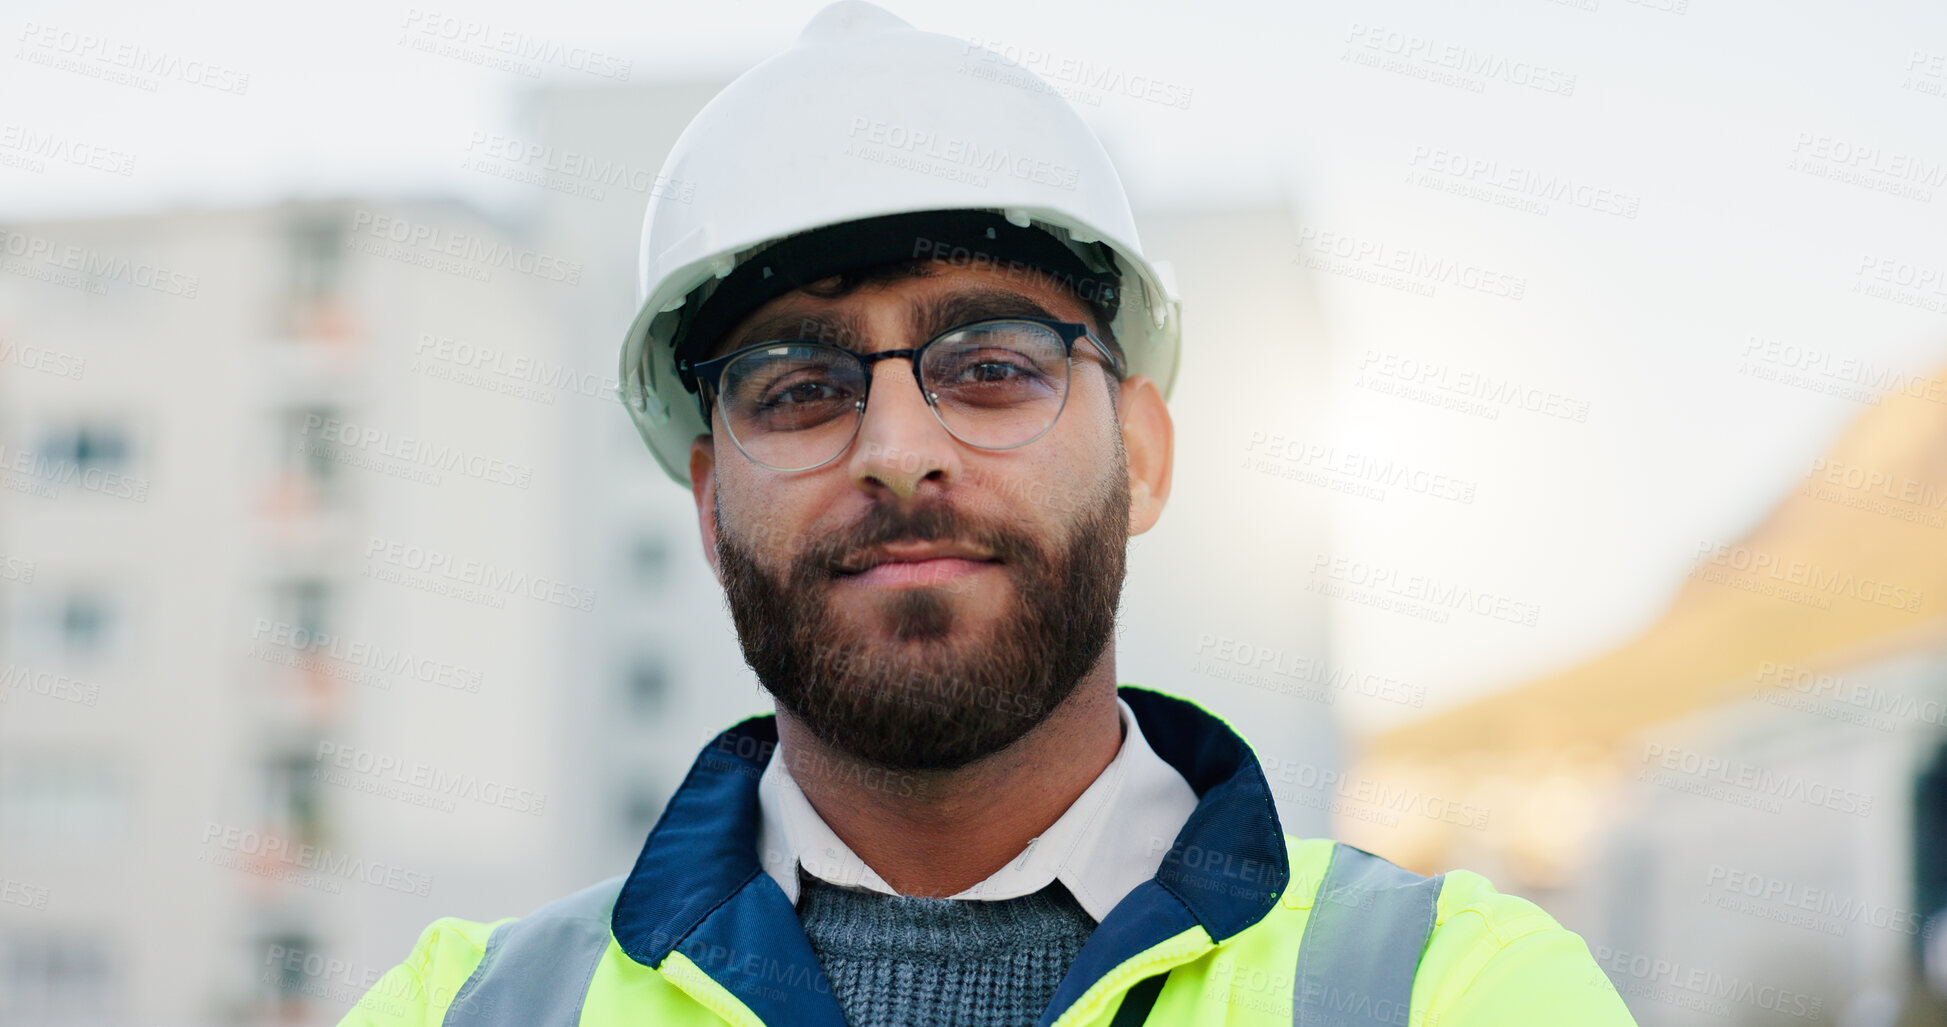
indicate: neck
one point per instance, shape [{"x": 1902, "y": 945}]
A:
[{"x": 938, "y": 833}]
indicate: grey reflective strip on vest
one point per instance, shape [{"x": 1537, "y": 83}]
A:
[
  {"x": 1369, "y": 924},
  {"x": 536, "y": 970}
]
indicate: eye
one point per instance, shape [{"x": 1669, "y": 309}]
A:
[
  {"x": 999, "y": 367},
  {"x": 802, "y": 391}
]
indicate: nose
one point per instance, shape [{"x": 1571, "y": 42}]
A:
[{"x": 901, "y": 444}]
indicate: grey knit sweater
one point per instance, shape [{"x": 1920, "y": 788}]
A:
[{"x": 901, "y": 961}]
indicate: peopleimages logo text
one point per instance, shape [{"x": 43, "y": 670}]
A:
[
  {"x": 477, "y": 573},
  {"x": 1831, "y": 581},
  {"x": 435, "y": 781},
  {"x": 421, "y": 243},
  {"x": 416, "y": 451},
  {"x": 276, "y": 856},
  {"x": 970, "y": 153},
  {"x": 1748, "y": 778},
  {"x": 99, "y": 266}
]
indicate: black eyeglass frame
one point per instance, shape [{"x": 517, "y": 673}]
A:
[{"x": 709, "y": 374}]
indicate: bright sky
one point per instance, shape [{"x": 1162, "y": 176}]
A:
[{"x": 1767, "y": 152}]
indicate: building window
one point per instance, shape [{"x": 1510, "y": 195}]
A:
[
  {"x": 48, "y": 976},
  {"x": 85, "y": 623},
  {"x": 649, "y": 559},
  {"x": 80, "y": 453},
  {"x": 304, "y": 454},
  {"x": 75, "y": 622},
  {"x": 88, "y": 446},
  {"x": 284, "y": 961},
  {"x": 648, "y": 686},
  {"x": 317, "y": 257},
  {"x": 60, "y": 803},
  {"x": 304, "y": 604},
  {"x": 314, "y": 301},
  {"x": 294, "y": 807}
]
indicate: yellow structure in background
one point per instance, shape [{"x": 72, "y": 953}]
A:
[{"x": 1849, "y": 568}]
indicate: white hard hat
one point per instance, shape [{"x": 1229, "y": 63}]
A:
[{"x": 864, "y": 118}]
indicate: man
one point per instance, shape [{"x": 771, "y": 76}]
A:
[{"x": 905, "y": 351}]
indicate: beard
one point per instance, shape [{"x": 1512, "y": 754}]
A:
[{"x": 931, "y": 692}]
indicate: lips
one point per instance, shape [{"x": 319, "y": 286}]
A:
[{"x": 912, "y": 553}]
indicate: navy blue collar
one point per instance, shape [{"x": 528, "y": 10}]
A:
[{"x": 698, "y": 888}]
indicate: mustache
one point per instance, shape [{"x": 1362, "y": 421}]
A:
[{"x": 887, "y": 524}]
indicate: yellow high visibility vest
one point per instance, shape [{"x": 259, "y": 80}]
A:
[{"x": 1241, "y": 925}]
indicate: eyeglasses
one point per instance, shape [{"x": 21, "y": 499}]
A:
[{"x": 997, "y": 383}]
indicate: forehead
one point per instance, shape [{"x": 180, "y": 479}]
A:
[{"x": 930, "y": 299}]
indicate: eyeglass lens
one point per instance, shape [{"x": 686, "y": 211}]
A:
[{"x": 994, "y": 385}]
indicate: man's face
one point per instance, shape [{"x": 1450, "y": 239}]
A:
[{"x": 917, "y": 663}]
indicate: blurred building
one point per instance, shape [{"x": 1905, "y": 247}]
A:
[
  {"x": 1742, "y": 809},
  {"x": 232, "y": 735}
]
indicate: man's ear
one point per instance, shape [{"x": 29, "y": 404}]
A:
[
  {"x": 703, "y": 485},
  {"x": 1149, "y": 439}
]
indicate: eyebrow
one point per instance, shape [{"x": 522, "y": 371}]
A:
[
  {"x": 941, "y": 313},
  {"x": 928, "y": 319}
]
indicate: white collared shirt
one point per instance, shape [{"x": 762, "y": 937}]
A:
[{"x": 1109, "y": 841}]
